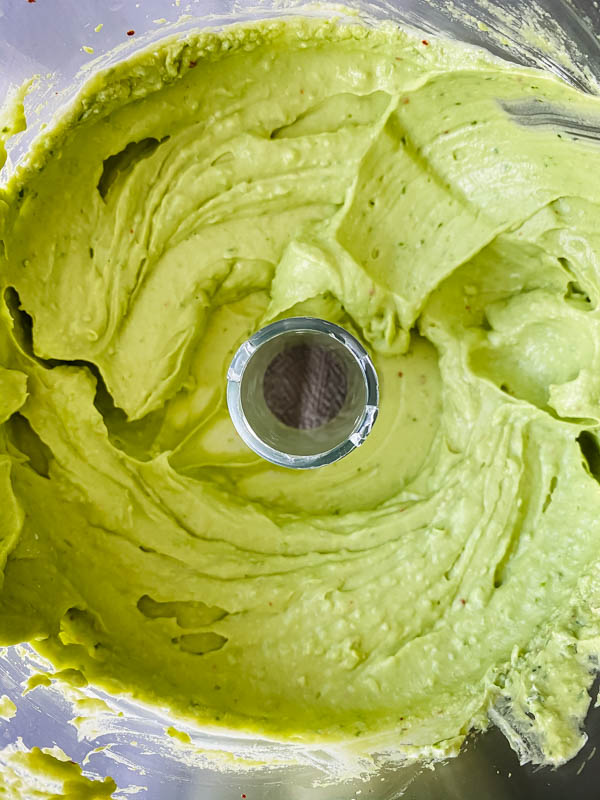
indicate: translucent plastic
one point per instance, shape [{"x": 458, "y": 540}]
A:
[
  {"x": 47, "y": 39},
  {"x": 284, "y": 444}
]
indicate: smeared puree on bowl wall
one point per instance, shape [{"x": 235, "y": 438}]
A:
[{"x": 444, "y": 573}]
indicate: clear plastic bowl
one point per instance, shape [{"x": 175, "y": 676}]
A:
[{"x": 46, "y": 38}]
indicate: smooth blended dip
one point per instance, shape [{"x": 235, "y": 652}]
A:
[{"x": 446, "y": 572}]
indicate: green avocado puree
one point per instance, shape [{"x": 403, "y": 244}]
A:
[{"x": 445, "y": 573}]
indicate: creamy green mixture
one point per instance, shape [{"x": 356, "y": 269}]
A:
[
  {"x": 48, "y": 775},
  {"x": 445, "y": 571}
]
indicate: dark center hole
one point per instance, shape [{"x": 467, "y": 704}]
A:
[{"x": 305, "y": 386}]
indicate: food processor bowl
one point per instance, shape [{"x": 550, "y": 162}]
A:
[{"x": 63, "y": 45}]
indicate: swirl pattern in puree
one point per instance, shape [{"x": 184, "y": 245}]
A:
[{"x": 444, "y": 572}]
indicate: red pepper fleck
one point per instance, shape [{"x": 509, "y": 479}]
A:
[
  {"x": 400, "y": 374},
  {"x": 406, "y": 100},
  {"x": 130, "y": 230},
  {"x": 31, "y": 1},
  {"x": 398, "y": 58},
  {"x": 467, "y": 308},
  {"x": 463, "y": 601},
  {"x": 425, "y": 42},
  {"x": 193, "y": 64},
  {"x": 270, "y": 603},
  {"x": 243, "y": 797},
  {"x": 446, "y": 132},
  {"x": 130, "y": 33}
]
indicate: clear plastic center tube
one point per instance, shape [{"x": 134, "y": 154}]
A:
[{"x": 302, "y": 393}]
